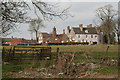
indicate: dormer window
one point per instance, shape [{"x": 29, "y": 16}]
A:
[{"x": 86, "y": 31}]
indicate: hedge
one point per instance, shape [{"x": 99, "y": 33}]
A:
[{"x": 70, "y": 43}]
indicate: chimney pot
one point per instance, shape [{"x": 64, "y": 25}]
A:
[
  {"x": 81, "y": 27},
  {"x": 63, "y": 31},
  {"x": 54, "y": 32},
  {"x": 89, "y": 26},
  {"x": 68, "y": 28}
]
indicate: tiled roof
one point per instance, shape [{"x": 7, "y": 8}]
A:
[
  {"x": 89, "y": 30},
  {"x": 56, "y": 39},
  {"x": 46, "y": 38},
  {"x": 46, "y": 34}
]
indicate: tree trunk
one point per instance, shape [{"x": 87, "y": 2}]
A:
[
  {"x": 108, "y": 38},
  {"x": 36, "y": 35},
  {"x": 118, "y": 39}
]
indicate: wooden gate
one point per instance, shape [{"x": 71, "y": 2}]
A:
[{"x": 26, "y": 52}]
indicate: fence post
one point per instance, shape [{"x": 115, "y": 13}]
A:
[
  {"x": 13, "y": 52},
  {"x": 3, "y": 52},
  {"x": 57, "y": 52},
  {"x": 50, "y": 55}
]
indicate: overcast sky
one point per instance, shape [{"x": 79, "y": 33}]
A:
[{"x": 83, "y": 12}]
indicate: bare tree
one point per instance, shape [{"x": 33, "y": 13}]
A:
[
  {"x": 35, "y": 26},
  {"x": 15, "y": 12},
  {"x": 107, "y": 15},
  {"x": 11, "y": 13},
  {"x": 117, "y": 30}
]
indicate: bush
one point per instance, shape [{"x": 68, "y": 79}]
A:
[
  {"x": 5, "y": 44},
  {"x": 69, "y": 43}
]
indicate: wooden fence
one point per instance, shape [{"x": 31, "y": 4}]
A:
[{"x": 26, "y": 52}]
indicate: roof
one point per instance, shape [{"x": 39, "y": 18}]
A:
[
  {"x": 89, "y": 30},
  {"x": 6, "y": 39},
  {"x": 30, "y": 41},
  {"x": 46, "y": 38},
  {"x": 45, "y": 34},
  {"x": 60, "y": 35}
]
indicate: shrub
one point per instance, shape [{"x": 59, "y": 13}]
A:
[{"x": 69, "y": 43}]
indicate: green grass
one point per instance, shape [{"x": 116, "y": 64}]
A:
[
  {"x": 96, "y": 51},
  {"x": 108, "y": 70},
  {"x": 79, "y": 48}
]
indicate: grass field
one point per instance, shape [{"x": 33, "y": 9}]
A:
[{"x": 96, "y": 51}]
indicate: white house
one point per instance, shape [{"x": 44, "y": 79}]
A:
[{"x": 84, "y": 34}]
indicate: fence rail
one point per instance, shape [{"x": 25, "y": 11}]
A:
[{"x": 26, "y": 52}]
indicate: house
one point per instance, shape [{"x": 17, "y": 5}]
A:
[
  {"x": 43, "y": 37},
  {"x": 18, "y": 41},
  {"x": 52, "y": 38},
  {"x": 14, "y": 41},
  {"x": 88, "y": 34},
  {"x": 5, "y": 40}
]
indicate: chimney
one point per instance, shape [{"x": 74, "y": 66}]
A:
[
  {"x": 12, "y": 37},
  {"x": 89, "y": 26},
  {"x": 68, "y": 28},
  {"x": 81, "y": 27},
  {"x": 54, "y": 32},
  {"x": 63, "y": 31}
]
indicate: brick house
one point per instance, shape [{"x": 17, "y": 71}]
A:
[
  {"x": 53, "y": 38},
  {"x": 88, "y": 34},
  {"x": 17, "y": 41},
  {"x": 14, "y": 41},
  {"x": 43, "y": 37}
]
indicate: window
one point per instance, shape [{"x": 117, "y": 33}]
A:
[
  {"x": 40, "y": 37},
  {"x": 95, "y": 36},
  {"x": 78, "y": 36},
  {"x": 83, "y": 40},
  {"x": 91, "y": 36}
]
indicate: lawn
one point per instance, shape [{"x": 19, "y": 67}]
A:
[{"x": 96, "y": 51}]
